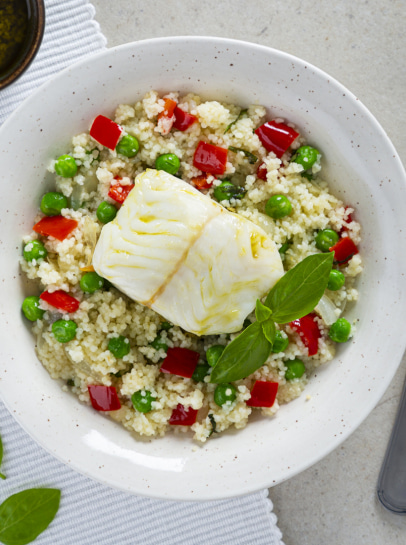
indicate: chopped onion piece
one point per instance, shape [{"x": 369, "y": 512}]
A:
[
  {"x": 83, "y": 366},
  {"x": 90, "y": 232},
  {"x": 327, "y": 310}
]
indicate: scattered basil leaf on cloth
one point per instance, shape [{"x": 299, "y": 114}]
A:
[
  {"x": 1, "y": 458},
  {"x": 262, "y": 312},
  {"x": 244, "y": 355},
  {"x": 243, "y": 112},
  {"x": 25, "y": 515},
  {"x": 292, "y": 297},
  {"x": 300, "y": 289}
]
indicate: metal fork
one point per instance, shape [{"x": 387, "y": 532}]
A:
[{"x": 391, "y": 486}]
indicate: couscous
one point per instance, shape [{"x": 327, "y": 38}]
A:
[{"x": 126, "y": 359}]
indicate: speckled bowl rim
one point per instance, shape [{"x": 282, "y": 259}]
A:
[
  {"x": 22, "y": 65},
  {"x": 228, "y": 466}
]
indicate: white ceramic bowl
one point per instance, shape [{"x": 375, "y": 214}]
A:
[{"x": 362, "y": 167}]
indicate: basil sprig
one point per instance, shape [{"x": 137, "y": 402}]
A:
[
  {"x": 262, "y": 312},
  {"x": 292, "y": 297},
  {"x": 24, "y": 516},
  {"x": 300, "y": 289},
  {"x": 269, "y": 331},
  {"x": 1, "y": 458},
  {"x": 240, "y": 358}
]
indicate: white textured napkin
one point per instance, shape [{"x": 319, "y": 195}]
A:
[
  {"x": 90, "y": 513},
  {"x": 70, "y": 34}
]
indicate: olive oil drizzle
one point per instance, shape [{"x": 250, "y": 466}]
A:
[{"x": 13, "y": 31}]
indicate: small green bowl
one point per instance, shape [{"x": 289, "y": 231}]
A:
[{"x": 26, "y": 51}]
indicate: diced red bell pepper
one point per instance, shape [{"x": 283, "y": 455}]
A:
[
  {"x": 276, "y": 137},
  {"x": 166, "y": 118},
  {"x": 169, "y": 108},
  {"x": 104, "y": 398},
  {"x": 202, "y": 181},
  {"x": 210, "y": 158},
  {"x": 309, "y": 332},
  {"x": 180, "y": 361},
  {"x": 119, "y": 192},
  {"x": 61, "y": 300},
  {"x": 183, "y": 120},
  {"x": 58, "y": 227},
  {"x": 182, "y": 416},
  {"x": 106, "y": 132},
  {"x": 263, "y": 394},
  {"x": 344, "y": 250},
  {"x": 262, "y": 171}
]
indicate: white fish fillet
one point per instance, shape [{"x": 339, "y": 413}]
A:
[{"x": 178, "y": 252}]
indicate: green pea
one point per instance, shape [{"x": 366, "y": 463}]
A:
[
  {"x": 91, "y": 282},
  {"x": 165, "y": 326},
  {"x": 34, "y": 250},
  {"x": 201, "y": 370},
  {"x": 325, "y": 239},
  {"x": 106, "y": 212},
  {"x": 158, "y": 344},
  {"x": 52, "y": 203},
  {"x": 128, "y": 146},
  {"x": 31, "y": 308},
  {"x": 280, "y": 343},
  {"x": 66, "y": 166},
  {"x": 224, "y": 393},
  {"x": 336, "y": 280},
  {"x": 306, "y": 156},
  {"x": 295, "y": 369},
  {"x": 340, "y": 331},
  {"x": 278, "y": 206},
  {"x": 227, "y": 190},
  {"x": 213, "y": 354},
  {"x": 142, "y": 401},
  {"x": 119, "y": 346},
  {"x": 64, "y": 330},
  {"x": 169, "y": 162}
]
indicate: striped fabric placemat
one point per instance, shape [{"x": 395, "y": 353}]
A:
[{"x": 91, "y": 513}]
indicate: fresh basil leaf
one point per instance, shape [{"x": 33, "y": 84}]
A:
[
  {"x": 244, "y": 355},
  {"x": 269, "y": 330},
  {"x": 252, "y": 159},
  {"x": 300, "y": 289},
  {"x": 24, "y": 516},
  {"x": 243, "y": 112},
  {"x": 1, "y": 458},
  {"x": 262, "y": 312}
]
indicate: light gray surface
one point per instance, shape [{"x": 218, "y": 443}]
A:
[{"x": 362, "y": 45}]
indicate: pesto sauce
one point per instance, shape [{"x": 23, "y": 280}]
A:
[{"x": 13, "y": 30}]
